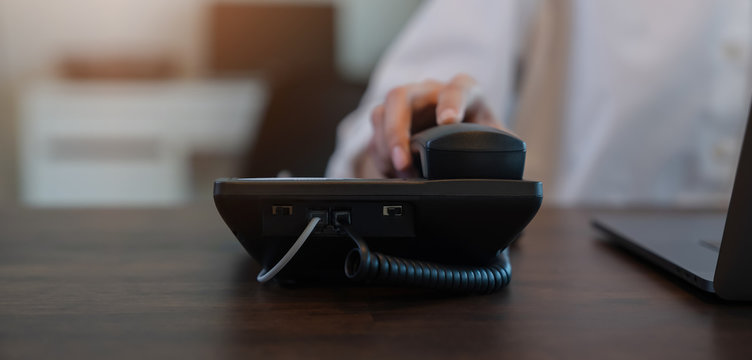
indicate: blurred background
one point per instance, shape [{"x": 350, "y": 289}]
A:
[{"x": 144, "y": 103}]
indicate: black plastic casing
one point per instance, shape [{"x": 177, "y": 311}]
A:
[
  {"x": 733, "y": 274},
  {"x": 462, "y": 222},
  {"x": 468, "y": 151}
]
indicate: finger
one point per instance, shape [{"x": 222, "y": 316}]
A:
[
  {"x": 378, "y": 112},
  {"x": 397, "y": 119},
  {"x": 402, "y": 103},
  {"x": 425, "y": 93},
  {"x": 453, "y": 102},
  {"x": 383, "y": 164},
  {"x": 377, "y": 148},
  {"x": 481, "y": 114},
  {"x": 392, "y": 122}
]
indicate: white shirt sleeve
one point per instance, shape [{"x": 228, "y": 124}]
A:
[{"x": 445, "y": 37}]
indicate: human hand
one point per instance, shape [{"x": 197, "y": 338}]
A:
[{"x": 414, "y": 107}]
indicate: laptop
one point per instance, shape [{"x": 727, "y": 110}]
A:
[{"x": 711, "y": 251}]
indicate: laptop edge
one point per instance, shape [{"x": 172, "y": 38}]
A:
[{"x": 733, "y": 272}]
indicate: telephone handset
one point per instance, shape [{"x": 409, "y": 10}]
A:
[
  {"x": 447, "y": 230},
  {"x": 468, "y": 151}
]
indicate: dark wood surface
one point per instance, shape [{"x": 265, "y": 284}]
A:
[{"x": 173, "y": 283}]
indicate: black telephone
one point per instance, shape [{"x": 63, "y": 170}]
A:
[{"x": 447, "y": 230}]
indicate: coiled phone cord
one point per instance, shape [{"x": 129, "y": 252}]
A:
[{"x": 363, "y": 265}]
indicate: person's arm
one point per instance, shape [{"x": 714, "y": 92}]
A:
[{"x": 474, "y": 38}]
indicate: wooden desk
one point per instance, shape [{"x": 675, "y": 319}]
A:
[{"x": 174, "y": 283}]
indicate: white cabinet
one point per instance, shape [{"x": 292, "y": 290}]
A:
[{"x": 128, "y": 143}]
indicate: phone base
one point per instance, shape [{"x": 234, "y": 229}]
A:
[{"x": 462, "y": 222}]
